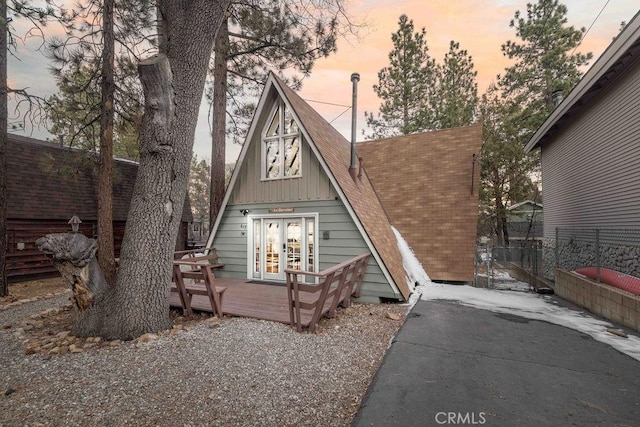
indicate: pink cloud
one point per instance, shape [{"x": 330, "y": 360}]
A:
[{"x": 480, "y": 27}]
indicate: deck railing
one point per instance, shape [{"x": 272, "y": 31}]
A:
[{"x": 337, "y": 285}]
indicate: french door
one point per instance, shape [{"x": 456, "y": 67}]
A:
[{"x": 281, "y": 243}]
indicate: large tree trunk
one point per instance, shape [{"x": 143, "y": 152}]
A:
[
  {"x": 219, "y": 129},
  {"x": 105, "y": 182},
  {"x": 4, "y": 286},
  {"x": 173, "y": 85}
]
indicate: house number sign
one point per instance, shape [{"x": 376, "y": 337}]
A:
[{"x": 281, "y": 210}]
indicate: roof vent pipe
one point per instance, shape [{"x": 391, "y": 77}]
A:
[
  {"x": 556, "y": 97},
  {"x": 355, "y": 78}
]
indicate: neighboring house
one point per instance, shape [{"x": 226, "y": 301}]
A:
[
  {"x": 198, "y": 233},
  {"x": 292, "y": 203},
  {"x": 46, "y": 185},
  {"x": 589, "y": 144},
  {"x": 524, "y": 221},
  {"x": 590, "y": 147},
  {"x": 590, "y": 151},
  {"x": 428, "y": 184}
]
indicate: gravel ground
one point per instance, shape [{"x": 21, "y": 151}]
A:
[{"x": 234, "y": 372}]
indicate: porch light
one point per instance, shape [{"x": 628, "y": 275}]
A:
[
  {"x": 244, "y": 212},
  {"x": 75, "y": 223}
]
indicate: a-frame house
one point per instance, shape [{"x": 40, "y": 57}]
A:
[{"x": 292, "y": 203}]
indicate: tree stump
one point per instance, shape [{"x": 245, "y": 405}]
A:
[{"x": 73, "y": 254}]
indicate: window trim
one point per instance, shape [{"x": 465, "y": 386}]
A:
[
  {"x": 305, "y": 217},
  {"x": 279, "y": 107}
]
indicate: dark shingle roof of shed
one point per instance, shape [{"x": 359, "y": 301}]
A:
[{"x": 48, "y": 181}]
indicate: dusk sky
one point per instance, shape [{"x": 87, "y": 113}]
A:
[{"x": 480, "y": 26}]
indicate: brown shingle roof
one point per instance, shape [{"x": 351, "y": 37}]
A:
[
  {"x": 424, "y": 183},
  {"x": 48, "y": 181},
  {"x": 335, "y": 151}
]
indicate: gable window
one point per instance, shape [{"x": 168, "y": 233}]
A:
[{"x": 281, "y": 151}]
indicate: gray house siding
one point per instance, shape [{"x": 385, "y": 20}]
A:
[
  {"x": 344, "y": 241},
  {"x": 590, "y": 172}
]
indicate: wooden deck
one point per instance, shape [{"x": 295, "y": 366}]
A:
[{"x": 243, "y": 299}]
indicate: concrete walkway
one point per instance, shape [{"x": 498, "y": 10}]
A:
[{"x": 456, "y": 365}]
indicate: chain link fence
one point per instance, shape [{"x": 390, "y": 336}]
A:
[
  {"x": 614, "y": 248},
  {"x": 534, "y": 261},
  {"x": 497, "y": 265}
]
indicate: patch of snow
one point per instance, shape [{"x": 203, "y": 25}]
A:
[
  {"x": 532, "y": 306},
  {"x": 413, "y": 267},
  {"x": 524, "y": 304}
]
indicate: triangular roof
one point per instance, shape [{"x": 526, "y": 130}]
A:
[
  {"x": 333, "y": 152},
  {"x": 536, "y": 205},
  {"x": 428, "y": 184},
  {"x": 622, "y": 52}
]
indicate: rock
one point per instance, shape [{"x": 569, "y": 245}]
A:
[
  {"x": 147, "y": 337},
  {"x": 74, "y": 349},
  {"x": 37, "y": 324},
  {"x": 63, "y": 334},
  {"x": 6, "y": 326},
  {"x": 55, "y": 350},
  {"x": 394, "y": 316},
  {"x": 213, "y": 322},
  {"x": 9, "y": 391},
  {"x": 618, "y": 332},
  {"x": 32, "y": 348}
]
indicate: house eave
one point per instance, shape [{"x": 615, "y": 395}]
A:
[{"x": 623, "y": 50}]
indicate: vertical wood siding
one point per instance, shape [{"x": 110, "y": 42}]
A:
[
  {"x": 591, "y": 171},
  {"x": 249, "y": 188}
]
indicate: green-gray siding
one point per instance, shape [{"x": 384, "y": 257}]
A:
[{"x": 345, "y": 241}]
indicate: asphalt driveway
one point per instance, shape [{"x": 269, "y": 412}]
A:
[{"x": 456, "y": 365}]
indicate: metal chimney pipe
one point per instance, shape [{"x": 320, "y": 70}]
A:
[{"x": 355, "y": 78}]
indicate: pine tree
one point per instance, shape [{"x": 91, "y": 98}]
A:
[
  {"x": 285, "y": 37},
  {"x": 173, "y": 82},
  {"x": 199, "y": 182},
  {"x": 456, "y": 97},
  {"x": 405, "y": 86},
  {"x": 545, "y": 61},
  {"x": 74, "y": 111},
  {"x": 96, "y": 57},
  {"x": 4, "y": 285}
]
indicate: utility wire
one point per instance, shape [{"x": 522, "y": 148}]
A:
[
  {"x": 335, "y": 105},
  {"x": 590, "y": 26},
  {"x": 327, "y": 103},
  {"x": 348, "y": 108}
]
